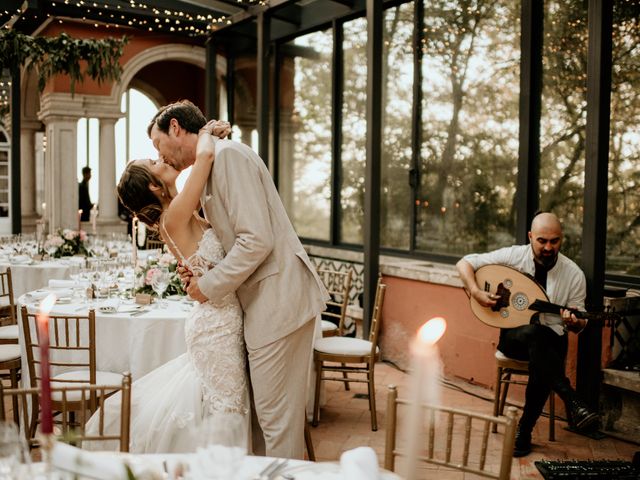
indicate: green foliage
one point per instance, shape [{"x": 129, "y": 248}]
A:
[{"x": 62, "y": 55}]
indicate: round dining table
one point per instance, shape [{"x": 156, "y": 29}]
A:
[
  {"x": 129, "y": 337},
  {"x": 28, "y": 274}
]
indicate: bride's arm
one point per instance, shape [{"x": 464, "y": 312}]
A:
[{"x": 183, "y": 205}]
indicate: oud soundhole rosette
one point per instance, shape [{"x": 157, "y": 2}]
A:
[
  {"x": 504, "y": 313},
  {"x": 520, "y": 301},
  {"x": 508, "y": 283}
]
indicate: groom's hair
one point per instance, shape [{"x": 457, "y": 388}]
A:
[{"x": 186, "y": 113}]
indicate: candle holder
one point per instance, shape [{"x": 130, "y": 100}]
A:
[{"x": 47, "y": 441}]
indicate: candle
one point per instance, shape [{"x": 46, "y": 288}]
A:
[
  {"x": 79, "y": 218},
  {"x": 134, "y": 241},
  {"x": 425, "y": 376},
  {"x": 44, "y": 209},
  {"x": 42, "y": 319},
  {"x": 94, "y": 216}
]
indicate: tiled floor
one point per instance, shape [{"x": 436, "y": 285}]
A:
[{"x": 345, "y": 424}]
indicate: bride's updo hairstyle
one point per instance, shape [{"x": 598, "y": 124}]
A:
[{"x": 134, "y": 193}]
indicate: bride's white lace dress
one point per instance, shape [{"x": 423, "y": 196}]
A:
[{"x": 169, "y": 403}]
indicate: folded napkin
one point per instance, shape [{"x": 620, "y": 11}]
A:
[
  {"x": 109, "y": 306},
  {"x": 20, "y": 259},
  {"x": 40, "y": 294},
  {"x": 81, "y": 462},
  {"x": 361, "y": 463},
  {"x": 58, "y": 283},
  {"x": 102, "y": 465}
]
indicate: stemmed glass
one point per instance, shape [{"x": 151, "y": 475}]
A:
[
  {"x": 160, "y": 283},
  {"x": 12, "y": 450},
  {"x": 222, "y": 445}
]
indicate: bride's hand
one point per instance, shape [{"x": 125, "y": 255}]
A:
[{"x": 217, "y": 128}]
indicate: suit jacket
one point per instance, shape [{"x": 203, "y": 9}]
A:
[{"x": 265, "y": 263}]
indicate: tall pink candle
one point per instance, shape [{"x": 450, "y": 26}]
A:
[
  {"x": 79, "y": 219},
  {"x": 134, "y": 241},
  {"x": 425, "y": 386},
  {"x": 42, "y": 319}
]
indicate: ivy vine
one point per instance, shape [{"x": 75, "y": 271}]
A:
[{"x": 62, "y": 55}]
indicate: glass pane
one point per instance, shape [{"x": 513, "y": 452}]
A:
[
  {"x": 305, "y": 133},
  {"x": 623, "y": 221},
  {"x": 563, "y": 118},
  {"x": 470, "y": 125},
  {"x": 354, "y": 131},
  {"x": 395, "y": 215}
]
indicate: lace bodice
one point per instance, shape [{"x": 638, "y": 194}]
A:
[{"x": 214, "y": 337}]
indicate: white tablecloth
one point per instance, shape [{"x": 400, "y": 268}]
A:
[
  {"x": 29, "y": 277},
  {"x": 156, "y": 464},
  {"x": 137, "y": 344}
]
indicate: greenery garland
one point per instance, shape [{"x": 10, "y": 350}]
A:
[{"x": 62, "y": 55}]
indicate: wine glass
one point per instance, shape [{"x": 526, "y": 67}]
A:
[
  {"x": 12, "y": 450},
  {"x": 160, "y": 283},
  {"x": 222, "y": 445}
]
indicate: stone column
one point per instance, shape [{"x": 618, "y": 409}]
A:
[
  {"x": 60, "y": 179},
  {"x": 28, "y": 169},
  {"x": 107, "y": 200}
]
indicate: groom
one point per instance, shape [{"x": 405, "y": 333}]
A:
[{"x": 265, "y": 264}]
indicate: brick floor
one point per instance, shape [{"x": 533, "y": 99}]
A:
[{"x": 345, "y": 424}]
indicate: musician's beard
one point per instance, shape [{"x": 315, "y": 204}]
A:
[{"x": 547, "y": 261}]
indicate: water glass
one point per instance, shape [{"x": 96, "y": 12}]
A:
[
  {"x": 222, "y": 440},
  {"x": 12, "y": 450},
  {"x": 160, "y": 283}
]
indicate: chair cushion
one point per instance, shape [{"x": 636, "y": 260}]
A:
[
  {"x": 343, "y": 346},
  {"x": 326, "y": 325},
  {"x": 507, "y": 362},
  {"x": 81, "y": 378},
  {"x": 9, "y": 352},
  {"x": 9, "y": 332}
]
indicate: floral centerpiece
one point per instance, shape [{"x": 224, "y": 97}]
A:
[
  {"x": 67, "y": 243},
  {"x": 146, "y": 270}
]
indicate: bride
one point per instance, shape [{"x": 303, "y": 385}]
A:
[{"x": 210, "y": 379}]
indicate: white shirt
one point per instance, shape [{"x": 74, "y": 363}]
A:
[{"x": 566, "y": 283}]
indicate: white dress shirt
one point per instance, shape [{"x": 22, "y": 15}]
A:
[{"x": 566, "y": 283}]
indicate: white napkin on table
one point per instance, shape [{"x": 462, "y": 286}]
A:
[
  {"x": 101, "y": 465},
  {"x": 20, "y": 259},
  {"x": 40, "y": 294},
  {"x": 58, "y": 283},
  {"x": 361, "y": 463}
]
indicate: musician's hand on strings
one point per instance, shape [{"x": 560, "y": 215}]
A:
[
  {"x": 570, "y": 320},
  {"x": 486, "y": 299}
]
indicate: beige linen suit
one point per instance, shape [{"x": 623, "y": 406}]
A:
[{"x": 278, "y": 288}]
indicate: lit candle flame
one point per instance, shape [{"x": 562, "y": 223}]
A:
[
  {"x": 432, "y": 330},
  {"x": 47, "y": 303}
]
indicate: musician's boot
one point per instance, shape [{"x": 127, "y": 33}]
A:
[
  {"x": 522, "y": 444},
  {"x": 580, "y": 417}
]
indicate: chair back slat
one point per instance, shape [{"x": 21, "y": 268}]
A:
[
  {"x": 71, "y": 345},
  {"x": 8, "y": 307},
  {"x": 73, "y": 432},
  {"x": 376, "y": 315},
  {"x": 471, "y": 457},
  {"x": 338, "y": 285}
]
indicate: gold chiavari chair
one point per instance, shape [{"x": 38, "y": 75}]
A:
[
  {"x": 72, "y": 347},
  {"x": 355, "y": 356},
  {"x": 8, "y": 322},
  {"x": 455, "y": 439},
  {"x": 77, "y": 399},
  {"x": 338, "y": 285}
]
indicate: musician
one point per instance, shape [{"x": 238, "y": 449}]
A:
[{"x": 544, "y": 341}]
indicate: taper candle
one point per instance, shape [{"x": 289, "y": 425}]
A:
[
  {"x": 425, "y": 386},
  {"x": 42, "y": 320}
]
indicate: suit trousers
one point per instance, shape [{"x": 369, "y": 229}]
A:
[
  {"x": 279, "y": 373},
  {"x": 546, "y": 351}
]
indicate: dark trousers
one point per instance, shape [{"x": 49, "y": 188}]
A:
[{"x": 546, "y": 351}]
